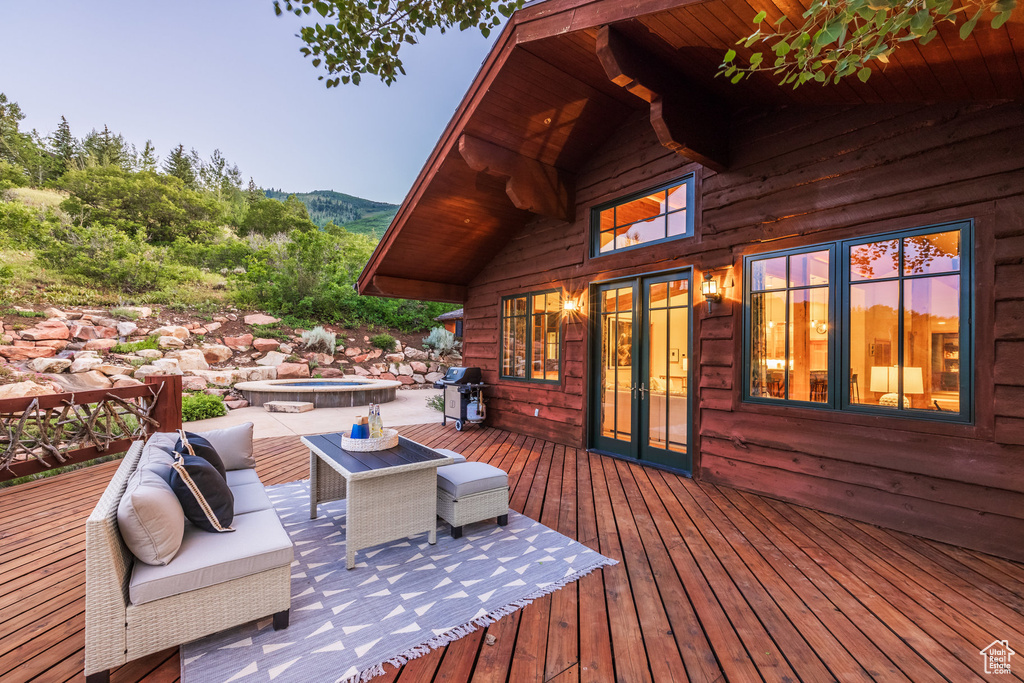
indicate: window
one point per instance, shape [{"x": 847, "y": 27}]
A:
[
  {"x": 878, "y": 324},
  {"x": 531, "y": 336},
  {"x": 789, "y": 326},
  {"x": 664, "y": 213}
]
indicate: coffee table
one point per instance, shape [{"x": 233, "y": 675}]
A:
[{"x": 391, "y": 494}]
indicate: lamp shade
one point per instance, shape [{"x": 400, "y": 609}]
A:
[
  {"x": 913, "y": 382},
  {"x": 885, "y": 380}
]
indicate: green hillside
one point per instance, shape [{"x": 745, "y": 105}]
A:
[{"x": 355, "y": 214}]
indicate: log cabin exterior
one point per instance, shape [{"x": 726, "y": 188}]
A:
[{"x": 866, "y": 356}]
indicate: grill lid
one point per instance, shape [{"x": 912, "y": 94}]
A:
[{"x": 462, "y": 376}]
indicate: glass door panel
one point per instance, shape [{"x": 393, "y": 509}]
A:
[
  {"x": 664, "y": 395},
  {"x": 616, "y": 382},
  {"x": 641, "y": 369}
]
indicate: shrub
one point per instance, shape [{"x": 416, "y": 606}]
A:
[
  {"x": 440, "y": 339},
  {"x": 320, "y": 340},
  {"x": 103, "y": 254},
  {"x": 384, "y": 342},
  {"x": 132, "y": 347},
  {"x": 21, "y": 313},
  {"x": 24, "y": 227},
  {"x": 201, "y": 407},
  {"x": 270, "y": 332},
  {"x": 436, "y": 402},
  {"x": 128, "y": 313}
]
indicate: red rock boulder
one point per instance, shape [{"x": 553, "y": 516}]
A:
[
  {"x": 292, "y": 371},
  {"x": 51, "y": 329},
  {"x": 241, "y": 343},
  {"x": 264, "y": 345}
]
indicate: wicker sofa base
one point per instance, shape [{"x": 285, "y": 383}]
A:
[
  {"x": 158, "y": 625},
  {"x": 473, "y": 508}
]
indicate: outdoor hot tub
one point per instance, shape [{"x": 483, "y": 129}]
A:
[{"x": 322, "y": 393}]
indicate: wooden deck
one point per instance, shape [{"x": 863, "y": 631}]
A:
[{"x": 713, "y": 584}]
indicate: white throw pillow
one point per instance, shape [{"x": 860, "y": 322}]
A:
[
  {"x": 233, "y": 445},
  {"x": 150, "y": 518}
]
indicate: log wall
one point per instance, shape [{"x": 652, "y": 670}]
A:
[{"x": 802, "y": 176}]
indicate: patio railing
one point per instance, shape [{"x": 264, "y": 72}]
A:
[{"x": 38, "y": 433}]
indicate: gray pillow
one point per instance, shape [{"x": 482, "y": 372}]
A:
[
  {"x": 234, "y": 446},
  {"x": 158, "y": 454},
  {"x": 150, "y": 518}
]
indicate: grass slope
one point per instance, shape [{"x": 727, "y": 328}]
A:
[{"x": 355, "y": 214}]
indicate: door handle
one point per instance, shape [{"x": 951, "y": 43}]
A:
[
  {"x": 643, "y": 390},
  {"x": 633, "y": 388}
]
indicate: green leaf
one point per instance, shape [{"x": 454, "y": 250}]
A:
[
  {"x": 864, "y": 74},
  {"x": 921, "y": 23},
  {"x": 1000, "y": 19},
  {"x": 755, "y": 59},
  {"x": 829, "y": 33},
  {"x": 759, "y": 17},
  {"x": 737, "y": 78},
  {"x": 729, "y": 56},
  {"x": 321, "y": 8},
  {"x": 968, "y": 26}
]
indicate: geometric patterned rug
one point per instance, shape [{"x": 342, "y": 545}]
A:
[{"x": 402, "y": 600}]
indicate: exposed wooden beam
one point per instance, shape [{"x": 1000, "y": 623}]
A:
[
  {"x": 402, "y": 288},
  {"x": 687, "y": 119},
  {"x": 531, "y": 185}
]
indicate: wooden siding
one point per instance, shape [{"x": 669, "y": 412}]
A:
[
  {"x": 712, "y": 584},
  {"x": 802, "y": 176}
]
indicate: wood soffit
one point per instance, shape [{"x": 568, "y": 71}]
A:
[{"x": 565, "y": 74}]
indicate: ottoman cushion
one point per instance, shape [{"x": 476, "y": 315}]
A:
[{"x": 467, "y": 478}]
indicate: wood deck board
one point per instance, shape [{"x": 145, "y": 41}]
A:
[{"x": 713, "y": 583}]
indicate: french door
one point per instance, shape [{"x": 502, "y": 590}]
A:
[{"x": 640, "y": 401}]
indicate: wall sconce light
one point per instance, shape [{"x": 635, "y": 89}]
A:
[
  {"x": 709, "y": 288},
  {"x": 570, "y": 305}
]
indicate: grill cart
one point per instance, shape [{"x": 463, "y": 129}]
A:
[{"x": 463, "y": 396}]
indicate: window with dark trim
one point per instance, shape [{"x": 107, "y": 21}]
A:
[
  {"x": 656, "y": 215},
  {"x": 878, "y": 324},
  {"x": 531, "y": 336}
]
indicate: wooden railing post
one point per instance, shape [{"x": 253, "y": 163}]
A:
[{"x": 168, "y": 404}]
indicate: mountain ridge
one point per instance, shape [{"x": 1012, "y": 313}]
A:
[{"x": 355, "y": 214}]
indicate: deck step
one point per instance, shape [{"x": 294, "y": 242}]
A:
[{"x": 288, "y": 406}]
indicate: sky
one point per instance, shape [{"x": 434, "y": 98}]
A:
[{"x": 229, "y": 75}]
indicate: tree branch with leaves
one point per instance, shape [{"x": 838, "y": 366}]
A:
[
  {"x": 360, "y": 37},
  {"x": 839, "y": 38}
]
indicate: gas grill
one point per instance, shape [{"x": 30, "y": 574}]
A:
[{"x": 463, "y": 396}]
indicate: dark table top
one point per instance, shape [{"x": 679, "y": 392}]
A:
[{"x": 407, "y": 454}]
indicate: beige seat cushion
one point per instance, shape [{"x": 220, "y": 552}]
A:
[
  {"x": 150, "y": 517},
  {"x": 241, "y": 477},
  {"x": 257, "y": 544},
  {"x": 250, "y": 498},
  {"x": 467, "y": 478}
]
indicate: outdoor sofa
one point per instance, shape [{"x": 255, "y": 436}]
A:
[{"x": 212, "y": 582}]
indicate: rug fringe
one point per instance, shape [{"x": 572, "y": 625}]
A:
[{"x": 463, "y": 630}]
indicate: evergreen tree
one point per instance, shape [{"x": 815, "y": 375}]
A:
[
  {"x": 103, "y": 148},
  {"x": 11, "y": 139},
  {"x": 63, "y": 147},
  {"x": 179, "y": 164},
  {"x": 148, "y": 159},
  {"x": 254, "y": 194}
]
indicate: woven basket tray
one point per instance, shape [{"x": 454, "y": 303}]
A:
[{"x": 389, "y": 440}]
